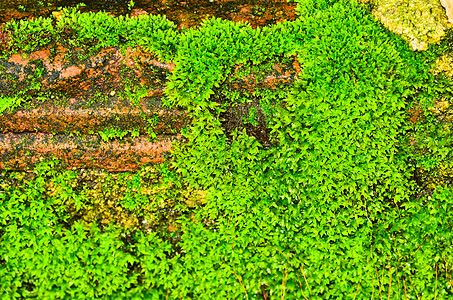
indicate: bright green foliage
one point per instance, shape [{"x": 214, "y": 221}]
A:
[
  {"x": 46, "y": 254},
  {"x": 345, "y": 116},
  {"x": 328, "y": 210},
  {"x": 27, "y": 35},
  {"x": 42, "y": 258},
  {"x": 334, "y": 195},
  {"x": 112, "y": 133},
  {"x": 9, "y": 102},
  {"x": 156, "y": 33}
]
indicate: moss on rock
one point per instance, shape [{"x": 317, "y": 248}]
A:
[
  {"x": 443, "y": 65},
  {"x": 141, "y": 200},
  {"x": 420, "y": 22}
]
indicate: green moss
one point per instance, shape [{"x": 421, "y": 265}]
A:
[
  {"x": 333, "y": 208},
  {"x": 143, "y": 200},
  {"x": 115, "y": 133},
  {"x": 9, "y": 102},
  {"x": 29, "y": 35}
]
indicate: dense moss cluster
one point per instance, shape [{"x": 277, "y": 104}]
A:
[{"x": 336, "y": 204}]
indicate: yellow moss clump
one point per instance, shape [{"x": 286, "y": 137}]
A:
[
  {"x": 444, "y": 65},
  {"x": 420, "y": 22},
  {"x": 441, "y": 176},
  {"x": 440, "y": 106}
]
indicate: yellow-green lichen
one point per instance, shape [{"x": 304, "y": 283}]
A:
[
  {"x": 442, "y": 175},
  {"x": 443, "y": 65},
  {"x": 443, "y": 110},
  {"x": 420, "y": 22}
]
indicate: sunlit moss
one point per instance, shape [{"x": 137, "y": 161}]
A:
[
  {"x": 442, "y": 175},
  {"x": 420, "y": 22},
  {"x": 443, "y": 65},
  {"x": 443, "y": 111}
]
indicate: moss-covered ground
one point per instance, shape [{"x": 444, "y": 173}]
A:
[{"x": 347, "y": 195}]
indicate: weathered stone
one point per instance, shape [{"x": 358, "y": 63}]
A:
[
  {"x": 57, "y": 68},
  {"x": 81, "y": 90},
  {"x": 81, "y": 116},
  {"x": 19, "y": 151},
  {"x": 448, "y": 4}
]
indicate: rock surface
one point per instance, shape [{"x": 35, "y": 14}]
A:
[
  {"x": 448, "y": 4},
  {"x": 70, "y": 95},
  {"x": 20, "y": 151}
]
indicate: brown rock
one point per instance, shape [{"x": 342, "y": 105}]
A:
[
  {"x": 42, "y": 129},
  {"x": 70, "y": 72},
  {"x": 57, "y": 68},
  {"x": 448, "y": 4},
  {"x": 79, "y": 116},
  {"x": 24, "y": 150}
]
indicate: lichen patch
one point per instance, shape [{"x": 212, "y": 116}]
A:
[{"x": 420, "y": 22}]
